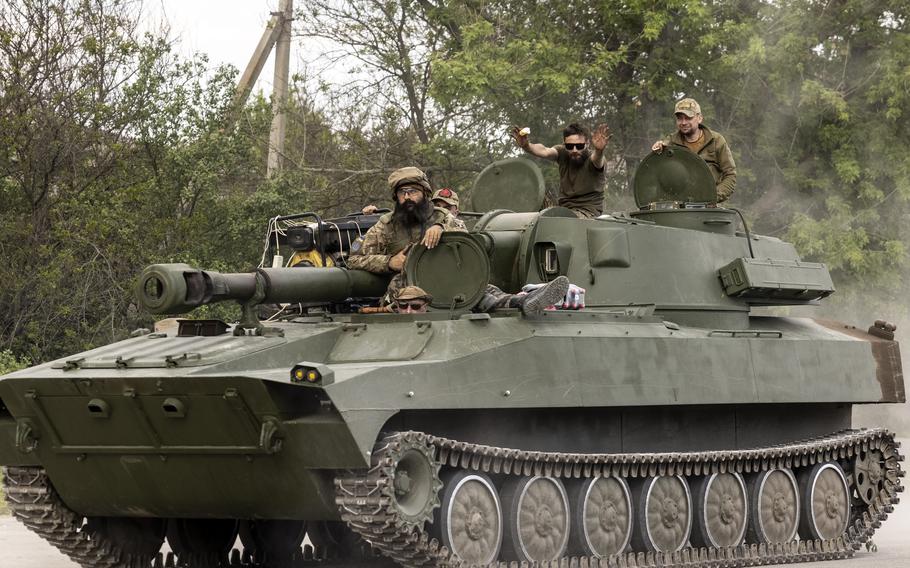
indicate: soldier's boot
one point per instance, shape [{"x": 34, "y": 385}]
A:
[{"x": 536, "y": 301}]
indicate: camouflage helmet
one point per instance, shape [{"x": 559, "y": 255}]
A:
[
  {"x": 445, "y": 195},
  {"x": 413, "y": 293},
  {"x": 409, "y": 176}
]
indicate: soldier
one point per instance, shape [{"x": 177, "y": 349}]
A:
[
  {"x": 448, "y": 200},
  {"x": 534, "y": 299},
  {"x": 709, "y": 145},
  {"x": 411, "y": 300},
  {"x": 581, "y": 168},
  {"x": 414, "y": 220},
  {"x": 531, "y": 302}
]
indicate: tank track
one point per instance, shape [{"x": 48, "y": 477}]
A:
[
  {"x": 365, "y": 501},
  {"x": 34, "y": 502},
  {"x": 366, "y": 498}
]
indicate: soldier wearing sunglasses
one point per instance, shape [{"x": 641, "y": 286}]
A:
[
  {"x": 581, "y": 166},
  {"x": 384, "y": 248},
  {"x": 411, "y": 300}
]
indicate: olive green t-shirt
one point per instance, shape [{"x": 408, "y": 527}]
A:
[{"x": 581, "y": 187}]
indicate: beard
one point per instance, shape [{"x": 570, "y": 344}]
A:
[
  {"x": 579, "y": 159},
  {"x": 412, "y": 214}
]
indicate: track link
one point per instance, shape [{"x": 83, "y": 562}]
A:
[
  {"x": 34, "y": 502},
  {"x": 366, "y": 499}
]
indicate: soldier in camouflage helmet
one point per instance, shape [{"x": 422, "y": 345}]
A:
[{"x": 414, "y": 220}]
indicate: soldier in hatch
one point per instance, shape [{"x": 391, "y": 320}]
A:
[
  {"x": 414, "y": 220},
  {"x": 710, "y": 146},
  {"x": 581, "y": 166},
  {"x": 411, "y": 300}
]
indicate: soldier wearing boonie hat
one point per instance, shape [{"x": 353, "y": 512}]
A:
[
  {"x": 411, "y": 299},
  {"x": 710, "y": 146},
  {"x": 385, "y": 247}
]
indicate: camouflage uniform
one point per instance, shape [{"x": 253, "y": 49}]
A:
[
  {"x": 494, "y": 298},
  {"x": 387, "y": 238}
]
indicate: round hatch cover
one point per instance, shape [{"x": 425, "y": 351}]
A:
[
  {"x": 676, "y": 174},
  {"x": 515, "y": 184},
  {"x": 456, "y": 271}
]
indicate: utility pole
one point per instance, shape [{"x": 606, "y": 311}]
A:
[{"x": 277, "y": 32}]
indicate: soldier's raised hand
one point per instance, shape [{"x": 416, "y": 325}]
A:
[
  {"x": 520, "y": 135},
  {"x": 600, "y": 137}
]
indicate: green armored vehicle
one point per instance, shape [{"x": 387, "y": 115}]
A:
[{"x": 668, "y": 423}]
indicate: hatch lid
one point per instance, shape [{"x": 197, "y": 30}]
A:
[
  {"x": 515, "y": 184},
  {"x": 458, "y": 267},
  {"x": 674, "y": 175}
]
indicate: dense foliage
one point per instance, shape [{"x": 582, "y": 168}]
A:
[{"x": 116, "y": 153}]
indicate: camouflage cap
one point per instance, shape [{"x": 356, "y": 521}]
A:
[
  {"x": 409, "y": 176},
  {"x": 446, "y": 195},
  {"x": 413, "y": 293},
  {"x": 688, "y": 107}
]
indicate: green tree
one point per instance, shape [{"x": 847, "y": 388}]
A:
[
  {"x": 385, "y": 110},
  {"x": 820, "y": 90},
  {"x": 115, "y": 153},
  {"x": 810, "y": 96}
]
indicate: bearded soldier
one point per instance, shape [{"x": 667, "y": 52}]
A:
[
  {"x": 415, "y": 220},
  {"x": 385, "y": 247}
]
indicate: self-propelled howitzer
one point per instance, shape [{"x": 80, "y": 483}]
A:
[{"x": 667, "y": 423}]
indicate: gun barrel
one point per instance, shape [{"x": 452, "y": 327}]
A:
[{"x": 179, "y": 288}]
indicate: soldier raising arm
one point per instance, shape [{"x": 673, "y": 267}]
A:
[{"x": 581, "y": 168}]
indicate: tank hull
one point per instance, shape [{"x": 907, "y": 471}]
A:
[{"x": 133, "y": 429}]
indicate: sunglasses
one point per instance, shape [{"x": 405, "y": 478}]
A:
[
  {"x": 580, "y": 146},
  {"x": 413, "y": 305},
  {"x": 408, "y": 191}
]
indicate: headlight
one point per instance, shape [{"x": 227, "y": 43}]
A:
[{"x": 311, "y": 374}]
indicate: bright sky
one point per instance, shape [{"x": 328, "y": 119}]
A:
[{"x": 226, "y": 30}]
